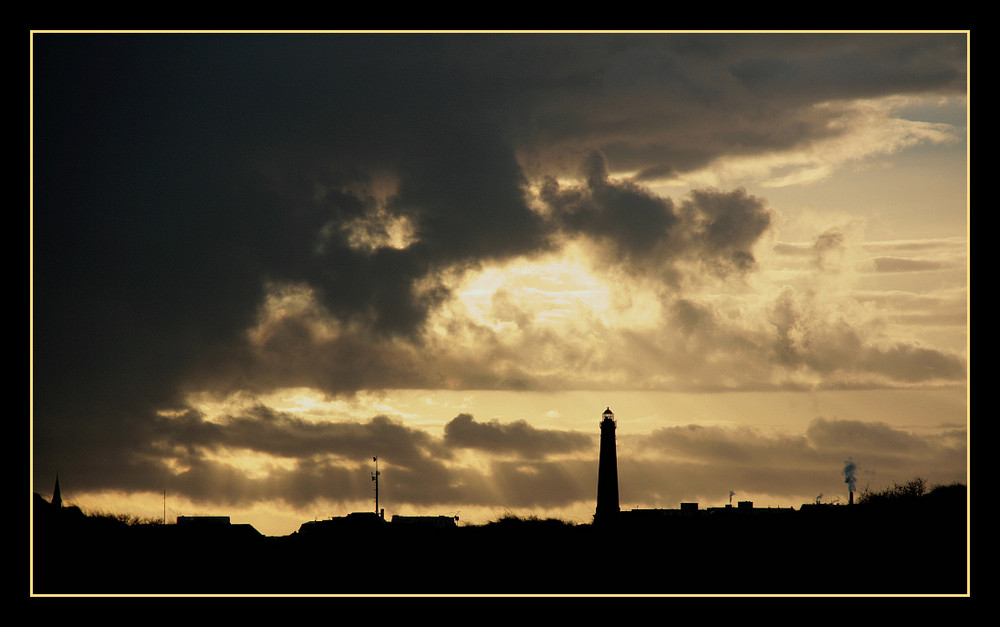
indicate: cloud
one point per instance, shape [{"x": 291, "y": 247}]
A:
[
  {"x": 298, "y": 461},
  {"x": 830, "y": 343},
  {"x": 256, "y": 168},
  {"x": 517, "y": 438},
  {"x": 261, "y": 455},
  {"x": 641, "y": 229},
  {"x": 694, "y": 461},
  {"x": 743, "y": 446},
  {"x": 864, "y": 437},
  {"x": 251, "y": 212},
  {"x": 896, "y": 264}
]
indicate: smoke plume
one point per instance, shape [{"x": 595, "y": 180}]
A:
[{"x": 849, "y": 469}]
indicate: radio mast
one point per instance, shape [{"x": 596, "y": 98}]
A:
[{"x": 375, "y": 479}]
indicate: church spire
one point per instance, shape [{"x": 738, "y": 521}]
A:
[{"x": 56, "y": 496}]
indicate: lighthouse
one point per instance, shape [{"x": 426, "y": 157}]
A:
[{"x": 607, "y": 472}]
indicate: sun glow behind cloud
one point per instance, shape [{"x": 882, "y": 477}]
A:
[
  {"x": 550, "y": 290},
  {"x": 529, "y": 317},
  {"x": 725, "y": 248}
]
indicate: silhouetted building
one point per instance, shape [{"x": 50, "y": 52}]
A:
[
  {"x": 211, "y": 529},
  {"x": 353, "y": 521},
  {"x": 440, "y": 522},
  {"x": 607, "y": 472},
  {"x": 203, "y": 521}
]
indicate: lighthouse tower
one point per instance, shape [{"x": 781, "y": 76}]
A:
[{"x": 607, "y": 472}]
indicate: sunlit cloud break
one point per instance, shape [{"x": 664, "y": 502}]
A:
[{"x": 261, "y": 259}]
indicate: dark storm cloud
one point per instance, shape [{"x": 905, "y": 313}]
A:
[
  {"x": 631, "y": 219},
  {"x": 176, "y": 175},
  {"x": 307, "y": 461},
  {"x": 728, "y": 226},
  {"x": 304, "y": 460},
  {"x": 671, "y": 104},
  {"x": 294, "y": 355},
  {"x": 277, "y": 434},
  {"x": 516, "y": 438},
  {"x": 869, "y": 65},
  {"x": 718, "y": 229}
]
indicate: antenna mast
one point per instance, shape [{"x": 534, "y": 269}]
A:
[{"x": 375, "y": 479}]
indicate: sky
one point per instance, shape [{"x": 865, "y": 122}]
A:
[{"x": 259, "y": 261}]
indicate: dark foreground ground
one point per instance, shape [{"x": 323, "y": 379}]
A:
[{"x": 843, "y": 550}]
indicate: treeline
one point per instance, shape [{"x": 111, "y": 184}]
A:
[{"x": 913, "y": 492}]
